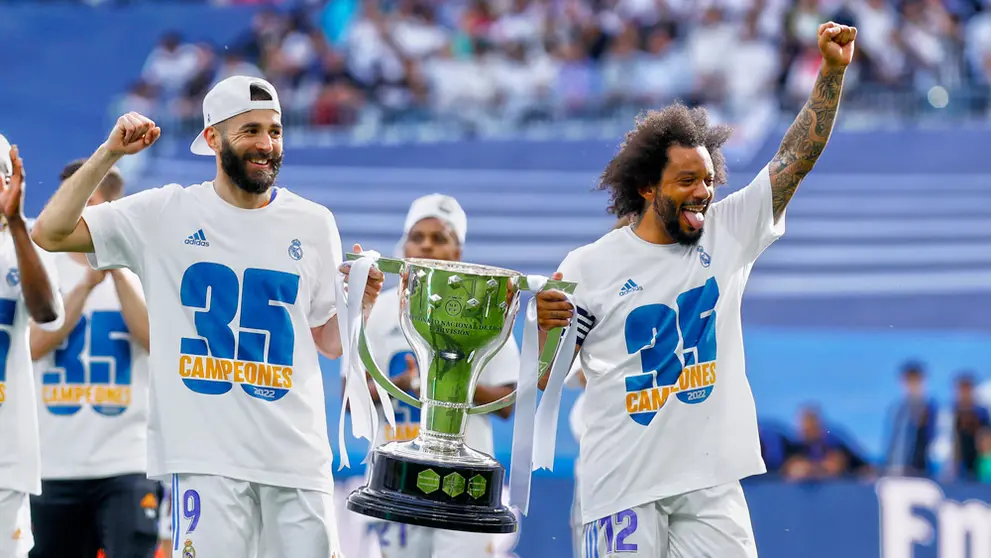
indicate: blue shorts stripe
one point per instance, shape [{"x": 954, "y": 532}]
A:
[{"x": 175, "y": 512}]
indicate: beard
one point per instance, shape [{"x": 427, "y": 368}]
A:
[
  {"x": 668, "y": 213},
  {"x": 236, "y": 168}
]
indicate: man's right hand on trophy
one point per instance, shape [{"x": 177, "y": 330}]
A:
[
  {"x": 375, "y": 280},
  {"x": 131, "y": 134},
  {"x": 553, "y": 308}
]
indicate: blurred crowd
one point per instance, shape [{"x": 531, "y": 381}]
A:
[
  {"x": 921, "y": 438},
  {"x": 488, "y": 63}
]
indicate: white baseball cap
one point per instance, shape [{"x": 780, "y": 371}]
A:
[
  {"x": 445, "y": 208},
  {"x": 6, "y": 165},
  {"x": 228, "y": 99}
]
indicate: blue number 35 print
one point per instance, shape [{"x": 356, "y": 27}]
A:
[
  {"x": 105, "y": 381},
  {"x": 8, "y": 312},
  {"x": 652, "y": 331},
  {"x": 257, "y": 354}
]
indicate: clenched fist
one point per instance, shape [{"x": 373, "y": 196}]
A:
[
  {"x": 553, "y": 308},
  {"x": 132, "y": 133},
  {"x": 375, "y": 280},
  {"x": 836, "y": 43}
]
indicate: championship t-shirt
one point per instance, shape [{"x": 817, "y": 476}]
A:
[
  {"x": 20, "y": 458},
  {"x": 667, "y": 406},
  {"x": 93, "y": 388},
  {"x": 232, "y": 293}
]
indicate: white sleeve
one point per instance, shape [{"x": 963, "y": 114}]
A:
[
  {"x": 120, "y": 228},
  {"x": 573, "y": 380},
  {"x": 575, "y": 418},
  {"x": 51, "y": 270},
  {"x": 504, "y": 368},
  {"x": 748, "y": 216},
  {"x": 570, "y": 270},
  {"x": 323, "y": 300}
]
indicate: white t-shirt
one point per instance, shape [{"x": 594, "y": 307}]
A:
[
  {"x": 232, "y": 293},
  {"x": 389, "y": 347},
  {"x": 656, "y": 323},
  {"x": 20, "y": 458},
  {"x": 93, "y": 389}
]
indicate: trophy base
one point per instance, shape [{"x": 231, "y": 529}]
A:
[{"x": 453, "y": 496}]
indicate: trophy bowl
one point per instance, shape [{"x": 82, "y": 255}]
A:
[{"x": 455, "y": 316}]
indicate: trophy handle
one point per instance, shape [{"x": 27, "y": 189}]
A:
[
  {"x": 385, "y": 265},
  {"x": 546, "y": 357}
]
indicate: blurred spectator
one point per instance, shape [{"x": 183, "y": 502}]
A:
[
  {"x": 339, "y": 100},
  {"x": 878, "y": 40},
  {"x": 171, "y": 65},
  {"x": 775, "y": 444},
  {"x": 233, "y": 63},
  {"x": 818, "y": 454},
  {"x": 969, "y": 419},
  {"x": 142, "y": 97},
  {"x": 912, "y": 426},
  {"x": 984, "y": 461}
]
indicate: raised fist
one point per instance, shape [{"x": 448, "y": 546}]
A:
[
  {"x": 836, "y": 43},
  {"x": 132, "y": 133}
]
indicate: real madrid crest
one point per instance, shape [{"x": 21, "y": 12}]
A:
[
  {"x": 704, "y": 258},
  {"x": 295, "y": 250},
  {"x": 187, "y": 549},
  {"x": 13, "y": 277}
]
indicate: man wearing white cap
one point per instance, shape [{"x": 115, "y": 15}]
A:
[
  {"x": 435, "y": 228},
  {"x": 238, "y": 275},
  {"x": 28, "y": 292}
]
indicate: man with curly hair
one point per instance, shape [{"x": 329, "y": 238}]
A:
[{"x": 669, "y": 420}]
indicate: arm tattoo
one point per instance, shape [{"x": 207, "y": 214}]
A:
[{"x": 806, "y": 138}]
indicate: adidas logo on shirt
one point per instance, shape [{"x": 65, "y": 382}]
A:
[
  {"x": 629, "y": 287},
  {"x": 197, "y": 239}
]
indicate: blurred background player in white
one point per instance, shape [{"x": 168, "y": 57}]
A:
[
  {"x": 238, "y": 275},
  {"x": 92, "y": 381},
  {"x": 671, "y": 431},
  {"x": 435, "y": 228},
  {"x": 28, "y": 292}
]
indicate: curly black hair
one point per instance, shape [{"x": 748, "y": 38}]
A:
[{"x": 644, "y": 154}]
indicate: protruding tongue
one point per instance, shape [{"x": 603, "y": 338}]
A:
[{"x": 695, "y": 219}]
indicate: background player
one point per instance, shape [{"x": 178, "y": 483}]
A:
[
  {"x": 28, "y": 291},
  {"x": 238, "y": 276},
  {"x": 669, "y": 433},
  {"x": 92, "y": 376},
  {"x": 435, "y": 228}
]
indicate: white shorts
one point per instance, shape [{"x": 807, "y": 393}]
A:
[
  {"x": 399, "y": 540},
  {"x": 219, "y": 516},
  {"x": 16, "y": 539},
  {"x": 709, "y": 523}
]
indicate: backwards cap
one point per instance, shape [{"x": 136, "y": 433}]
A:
[{"x": 228, "y": 99}]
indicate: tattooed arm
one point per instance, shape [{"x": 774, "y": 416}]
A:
[{"x": 806, "y": 138}]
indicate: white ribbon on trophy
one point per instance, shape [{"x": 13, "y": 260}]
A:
[
  {"x": 535, "y": 429},
  {"x": 364, "y": 419}
]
